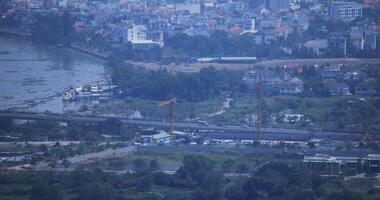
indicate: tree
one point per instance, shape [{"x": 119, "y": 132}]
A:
[
  {"x": 6, "y": 123},
  {"x": 195, "y": 168},
  {"x": 66, "y": 163},
  {"x": 96, "y": 191},
  {"x": 43, "y": 148},
  {"x": 112, "y": 126},
  {"x": 42, "y": 190},
  {"x": 235, "y": 192},
  {"x": 144, "y": 183},
  {"x": 140, "y": 166},
  {"x": 154, "y": 165}
]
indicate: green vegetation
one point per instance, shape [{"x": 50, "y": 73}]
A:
[
  {"x": 197, "y": 178},
  {"x": 53, "y": 130},
  {"x": 157, "y": 85},
  {"x": 53, "y": 28},
  {"x": 169, "y": 160}
]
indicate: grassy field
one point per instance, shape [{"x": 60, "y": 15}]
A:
[
  {"x": 151, "y": 110},
  {"x": 195, "y": 67},
  {"x": 172, "y": 160},
  {"x": 240, "y": 112}
]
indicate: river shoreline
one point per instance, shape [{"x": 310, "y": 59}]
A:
[{"x": 34, "y": 75}]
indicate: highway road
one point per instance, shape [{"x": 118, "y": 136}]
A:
[{"x": 210, "y": 129}]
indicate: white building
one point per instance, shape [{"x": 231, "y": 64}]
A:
[
  {"x": 137, "y": 35},
  {"x": 345, "y": 10}
]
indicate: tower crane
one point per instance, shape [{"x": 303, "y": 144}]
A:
[{"x": 170, "y": 102}]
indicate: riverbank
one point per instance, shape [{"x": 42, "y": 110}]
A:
[
  {"x": 33, "y": 76},
  {"x": 15, "y": 33},
  {"x": 88, "y": 51}
]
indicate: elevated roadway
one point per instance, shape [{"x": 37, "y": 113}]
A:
[{"x": 232, "y": 132}]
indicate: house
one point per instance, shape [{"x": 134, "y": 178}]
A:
[
  {"x": 339, "y": 89},
  {"x": 271, "y": 84},
  {"x": 351, "y": 76},
  {"x": 265, "y": 77},
  {"x": 365, "y": 89},
  {"x": 291, "y": 87},
  {"x": 332, "y": 72}
]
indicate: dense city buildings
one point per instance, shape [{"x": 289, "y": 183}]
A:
[{"x": 291, "y": 28}]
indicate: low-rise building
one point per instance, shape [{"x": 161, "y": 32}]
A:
[
  {"x": 343, "y": 164},
  {"x": 365, "y": 89},
  {"x": 291, "y": 87},
  {"x": 339, "y": 89},
  {"x": 373, "y": 163},
  {"x": 162, "y": 137}
]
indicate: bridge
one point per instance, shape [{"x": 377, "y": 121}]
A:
[{"x": 212, "y": 130}]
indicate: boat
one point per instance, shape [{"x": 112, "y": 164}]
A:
[{"x": 89, "y": 91}]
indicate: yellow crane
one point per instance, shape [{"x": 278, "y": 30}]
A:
[{"x": 170, "y": 102}]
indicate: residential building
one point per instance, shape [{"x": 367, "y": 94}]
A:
[
  {"x": 370, "y": 39},
  {"x": 333, "y": 165},
  {"x": 277, "y": 5},
  {"x": 373, "y": 163},
  {"x": 365, "y": 89},
  {"x": 332, "y": 72},
  {"x": 343, "y": 164},
  {"x": 351, "y": 76},
  {"x": 345, "y": 10},
  {"x": 191, "y": 6},
  {"x": 137, "y": 35},
  {"x": 357, "y": 38},
  {"x": 339, "y": 89},
  {"x": 291, "y": 87},
  {"x": 272, "y": 84},
  {"x": 338, "y": 43}
]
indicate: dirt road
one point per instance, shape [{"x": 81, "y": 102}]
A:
[{"x": 195, "y": 67}]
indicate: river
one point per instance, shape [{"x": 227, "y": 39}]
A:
[{"x": 33, "y": 76}]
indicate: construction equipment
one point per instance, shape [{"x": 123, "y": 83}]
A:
[
  {"x": 258, "y": 110},
  {"x": 170, "y": 101}
]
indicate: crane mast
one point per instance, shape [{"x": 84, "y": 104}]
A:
[{"x": 170, "y": 102}]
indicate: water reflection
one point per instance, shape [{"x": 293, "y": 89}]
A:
[{"x": 33, "y": 76}]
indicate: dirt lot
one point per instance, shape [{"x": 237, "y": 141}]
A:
[{"x": 195, "y": 67}]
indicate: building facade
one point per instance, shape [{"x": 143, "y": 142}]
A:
[{"x": 345, "y": 10}]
